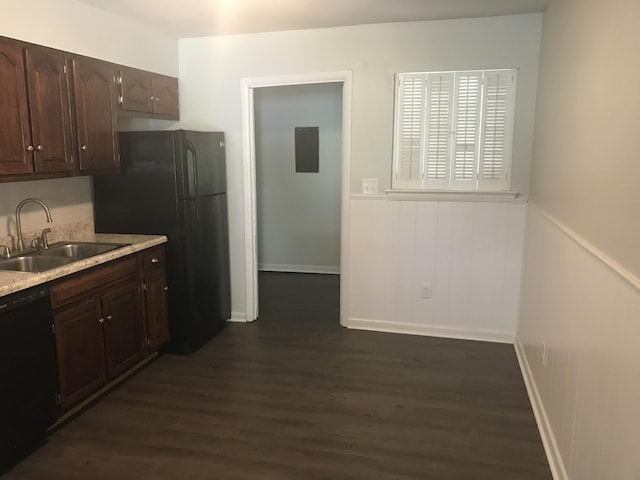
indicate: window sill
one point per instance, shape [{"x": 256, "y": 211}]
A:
[{"x": 455, "y": 196}]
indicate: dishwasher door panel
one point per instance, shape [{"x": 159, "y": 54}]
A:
[{"x": 27, "y": 374}]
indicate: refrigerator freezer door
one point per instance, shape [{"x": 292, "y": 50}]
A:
[{"x": 201, "y": 163}]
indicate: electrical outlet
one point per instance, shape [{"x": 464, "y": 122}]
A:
[
  {"x": 425, "y": 291},
  {"x": 545, "y": 354},
  {"x": 370, "y": 186}
]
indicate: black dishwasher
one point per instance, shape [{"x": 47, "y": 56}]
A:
[{"x": 28, "y": 381}]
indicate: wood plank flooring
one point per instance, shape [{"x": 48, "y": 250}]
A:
[{"x": 295, "y": 396}]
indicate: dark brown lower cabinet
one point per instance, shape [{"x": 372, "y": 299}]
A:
[
  {"x": 156, "y": 305},
  {"x": 123, "y": 328},
  {"x": 98, "y": 340},
  {"x": 106, "y": 321},
  {"x": 80, "y": 349}
]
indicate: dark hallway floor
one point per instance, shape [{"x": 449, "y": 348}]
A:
[{"x": 295, "y": 396}]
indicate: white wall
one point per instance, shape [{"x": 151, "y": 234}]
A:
[
  {"x": 586, "y": 158},
  {"x": 79, "y": 28},
  {"x": 75, "y": 27},
  {"x": 470, "y": 253},
  {"x": 582, "y": 267},
  {"x": 298, "y": 213},
  {"x": 211, "y": 70}
]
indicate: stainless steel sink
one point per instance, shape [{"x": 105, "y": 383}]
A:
[
  {"x": 33, "y": 263},
  {"x": 78, "y": 250},
  {"x": 57, "y": 255}
]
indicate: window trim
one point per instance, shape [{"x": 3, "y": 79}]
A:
[{"x": 450, "y": 183}]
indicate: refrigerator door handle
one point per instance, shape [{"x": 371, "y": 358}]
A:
[{"x": 191, "y": 148}]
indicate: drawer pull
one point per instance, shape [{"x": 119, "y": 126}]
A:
[{"x": 155, "y": 260}]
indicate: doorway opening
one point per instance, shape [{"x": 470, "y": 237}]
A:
[{"x": 249, "y": 90}]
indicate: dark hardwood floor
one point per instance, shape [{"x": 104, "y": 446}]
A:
[{"x": 295, "y": 396}]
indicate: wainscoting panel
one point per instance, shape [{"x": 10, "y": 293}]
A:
[
  {"x": 470, "y": 254},
  {"x": 579, "y": 348}
]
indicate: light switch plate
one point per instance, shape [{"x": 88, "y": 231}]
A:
[{"x": 369, "y": 186}]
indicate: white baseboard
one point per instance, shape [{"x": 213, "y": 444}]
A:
[
  {"x": 240, "y": 317},
  {"x": 544, "y": 426},
  {"x": 431, "y": 330},
  {"x": 278, "y": 267}
]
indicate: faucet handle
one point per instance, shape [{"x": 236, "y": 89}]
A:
[
  {"x": 44, "y": 241},
  {"x": 5, "y": 251}
]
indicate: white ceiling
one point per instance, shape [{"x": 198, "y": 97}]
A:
[{"x": 195, "y": 18}]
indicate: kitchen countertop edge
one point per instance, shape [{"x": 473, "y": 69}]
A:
[{"x": 11, "y": 282}]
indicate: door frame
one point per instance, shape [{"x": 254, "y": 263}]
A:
[{"x": 248, "y": 85}]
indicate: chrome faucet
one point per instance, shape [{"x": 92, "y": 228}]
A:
[{"x": 20, "y": 241}]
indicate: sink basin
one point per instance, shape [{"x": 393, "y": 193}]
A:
[
  {"x": 33, "y": 263},
  {"x": 78, "y": 250},
  {"x": 57, "y": 255}
]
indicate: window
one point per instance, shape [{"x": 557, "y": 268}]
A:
[{"x": 453, "y": 130}]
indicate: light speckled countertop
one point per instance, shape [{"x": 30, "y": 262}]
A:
[{"x": 15, "y": 281}]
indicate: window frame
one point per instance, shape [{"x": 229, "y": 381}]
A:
[{"x": 450, "y": 183}]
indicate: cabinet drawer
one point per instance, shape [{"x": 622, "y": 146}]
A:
[
  {"x": 85, "y": 283},
  {"x": 153, "y": 260}
]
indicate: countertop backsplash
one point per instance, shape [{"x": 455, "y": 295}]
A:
[{"x": 70, "y": 231}]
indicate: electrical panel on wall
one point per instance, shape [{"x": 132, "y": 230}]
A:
[{"x": 307, "y": 147}]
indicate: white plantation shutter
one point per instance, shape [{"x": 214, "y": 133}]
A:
[
  {"x": 453, "y": 130},
  {"x": 495, "y": 157},
  {"x": 438, "y": 129},
  {"x": 466, "y": 143},
  {"x": 409, "y": 130}
]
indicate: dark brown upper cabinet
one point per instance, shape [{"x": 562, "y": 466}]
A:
[
  {"x": 49, "y": 110},
  {"x": 15, "y": 133},
  {"x": 35, "y": 115},
  {"x": 59, "y": 111},
  {"x": 94, "y": 100},
  {"x": 148, "y": 94}
]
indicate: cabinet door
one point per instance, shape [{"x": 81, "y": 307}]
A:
[
  {"x": 165, "y": 96},
  {"x": 50, "y": 110},
  {"x": 156, "y": 306},
  {"x": 94, "y": 100},
  {"x": 136, "y": 90},
  {"x": 80, "y": 351},
  {"x": 15, "y": 131},
  {"x": 123, "y": 328}
]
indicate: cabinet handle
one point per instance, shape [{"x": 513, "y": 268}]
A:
[
  {"x": 166, "y": 289},
  {"x": 101, "y": 320},
  {"x": 155, "y": 260},
  {"x": 39, "y": 148},
  {"x": 30, "y": 148},
  {"x": 151, "y": 98},
  {"x": 83, "y": 148},
  {"x": 109, "y": 317},
  {"x": 157, "y": 99}
]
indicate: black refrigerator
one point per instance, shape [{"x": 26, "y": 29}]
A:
[{"x": 174, "y": 183}]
